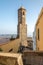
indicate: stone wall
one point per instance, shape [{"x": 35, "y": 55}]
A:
[
  {"x": 33, "y": 58},
  {"x": 23, "y": 34},
  {"x": 11, "y": 46},
  {"x": 10, "y": 59},
  {"x": 22, "y": 26},
  {"x": 29, "y": 58}
]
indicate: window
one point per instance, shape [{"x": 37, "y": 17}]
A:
[
  {"x": 23, "y": 13},
  {"x": 38, "y": 33},
  {"x": 11, "y": 50},
  {"x": 38, "y": 48},
  {"x": 1, "y": 50}
]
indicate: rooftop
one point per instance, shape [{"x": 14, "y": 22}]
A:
[{"x": 21, "y": 8}]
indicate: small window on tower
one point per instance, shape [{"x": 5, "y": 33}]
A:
[{"x": 23, "y": 13}]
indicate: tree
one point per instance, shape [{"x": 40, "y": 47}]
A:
[{"x": 12, "y": 38}]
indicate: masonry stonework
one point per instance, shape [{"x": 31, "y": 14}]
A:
[{"x": 22, "y": 26}]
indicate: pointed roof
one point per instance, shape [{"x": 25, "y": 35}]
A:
[{"x": 40, "y": 15}]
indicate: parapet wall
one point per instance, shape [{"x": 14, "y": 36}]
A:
[
  {"x": 27, "y": 58},
  {"x": 33, "y": 58},
  {"x": 10, "y": 59},
  {"x": 11, "y": 45}
]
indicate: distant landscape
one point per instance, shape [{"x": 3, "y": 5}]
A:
[{"x": 6, "y": 37}]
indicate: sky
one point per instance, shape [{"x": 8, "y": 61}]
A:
[{"x": 9, "y": 15}]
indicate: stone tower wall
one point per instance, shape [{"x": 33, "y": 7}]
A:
[{"x": 22, "y": 27}]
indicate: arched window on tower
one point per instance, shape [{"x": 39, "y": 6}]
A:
[{"x": 23, "y": 13}]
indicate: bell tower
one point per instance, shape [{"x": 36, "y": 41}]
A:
[{"x": 22, "y": 26}]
